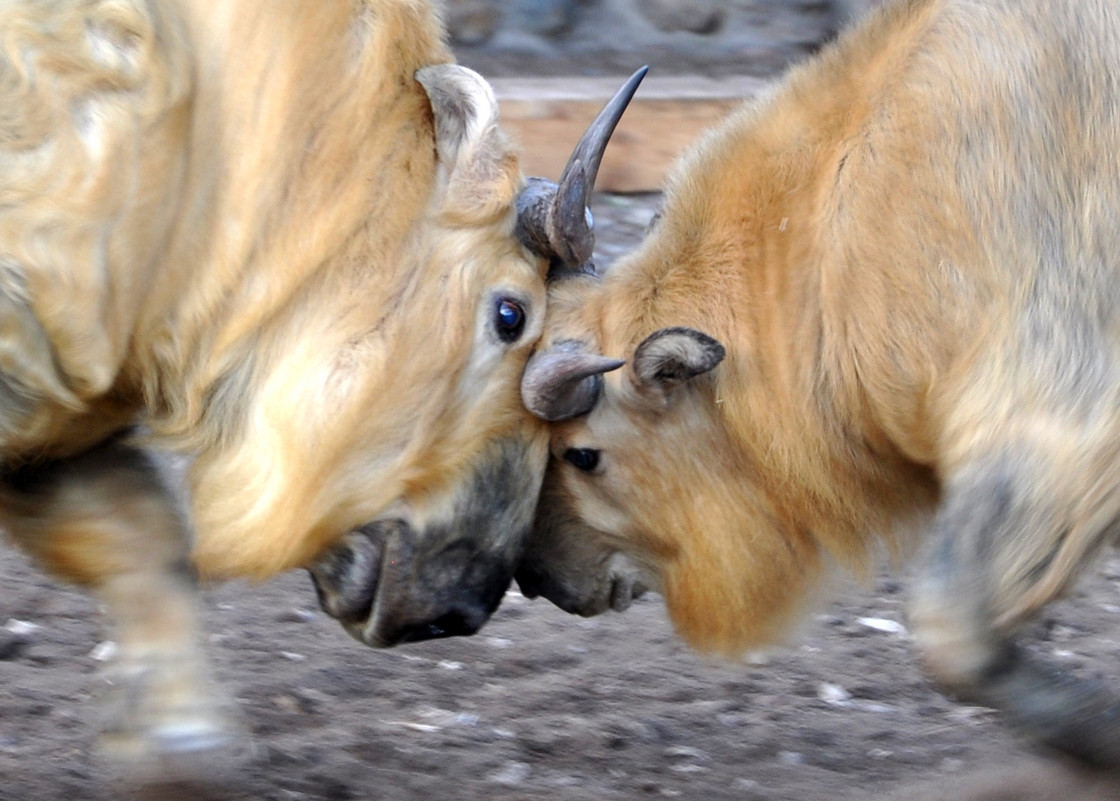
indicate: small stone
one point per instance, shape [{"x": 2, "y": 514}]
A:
[
  {"x": 690, "y": 767},
  {"x": 686, "y": 752},
  {"x": 833, "y": 694},
  {"x": 512, "y": 774},
  {"x": 11, "y": 645},
  {"x": 882, "y": 624},
  {"x": 296, "y": 616},
  {"x": 21, "y": 628},
  {"x": 288, "y": 703},
  {"x": 310, "y": 699},
  {"x": 104, "y": 651}
]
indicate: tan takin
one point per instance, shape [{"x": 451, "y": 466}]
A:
[
  {"x": 285, "y": 238},
  {"x": 881, "y": 306}
]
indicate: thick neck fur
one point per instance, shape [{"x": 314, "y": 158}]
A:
[
  {"x": 907, "y": 250},
  {"x": 291, "y": 104},
  {"x": 226, "y": 220},
  {"x": 744, "y": 254},
  {"x": 745, "y": 251}
]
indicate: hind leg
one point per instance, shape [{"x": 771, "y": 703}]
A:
[
  {"x": 991, "y": 541},
  {"x": 105, "y": 521}
]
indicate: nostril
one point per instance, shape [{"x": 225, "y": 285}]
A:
[
  {"x": 621, "y": 594},
  {"x": 528, "y": 582},
  {"x": 347, "y": 576},
  {"x": 455, "y": 623}
]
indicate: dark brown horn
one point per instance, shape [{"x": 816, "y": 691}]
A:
[
  {"x": 564, "y": 381},
  {"x": 553, "y": 219}
]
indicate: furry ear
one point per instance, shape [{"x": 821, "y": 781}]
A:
[
  {"x": 672, "y": 356},
  {"x": 478, "y": 167}
]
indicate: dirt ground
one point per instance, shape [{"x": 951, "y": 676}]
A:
[{"x": 540, "y": 705}]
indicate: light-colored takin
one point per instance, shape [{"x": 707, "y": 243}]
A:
[
  {"x": 291, "y": 241},
  {"x": 880, "y": 310}
]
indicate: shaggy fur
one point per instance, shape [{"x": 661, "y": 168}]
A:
[
  {"x": 225, "y": 220},
  {"x": 237, "y": 224},
  {"x": 909, "y": 250}
]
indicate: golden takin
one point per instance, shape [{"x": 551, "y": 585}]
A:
[
  {"x": 880, "y": 310},
  {"x": 292, "y": 244}
]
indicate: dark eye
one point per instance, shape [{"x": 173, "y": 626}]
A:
[
  {"x": 586, "y": 459},
  {"x": 509, "y": 319}
]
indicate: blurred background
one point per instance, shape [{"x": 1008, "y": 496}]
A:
[
  {"x": 595, "y": 37},
  {"x": 553, "y": 63}
]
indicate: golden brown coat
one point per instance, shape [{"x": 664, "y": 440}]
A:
[
  {"x": 277, "y": 235},
  {"x": 907, "y": 251}
]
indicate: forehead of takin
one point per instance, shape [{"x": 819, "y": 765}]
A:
[{"x": 676, "y": 495}]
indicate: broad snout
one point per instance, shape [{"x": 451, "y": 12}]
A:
[
  {"x": 388, "y": 583},
  {"x": 611, "y": 583},
  {"x": 575, "y": 565},
  {"x": 397, "y": 580}
]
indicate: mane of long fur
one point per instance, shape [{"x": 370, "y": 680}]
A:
[
  {"x": 293, "y": 102},
  {"x": 94, "y": 99},
  {"x": 230, "y": 222},
  {"x": 146, "y": 138}
]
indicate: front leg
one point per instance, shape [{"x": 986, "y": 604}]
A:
[
  {"x": 105, "y": 521},
  {"x": 993, "y": 540}
]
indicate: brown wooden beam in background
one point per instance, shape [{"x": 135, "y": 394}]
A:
[{"x": 547, "y": 115}]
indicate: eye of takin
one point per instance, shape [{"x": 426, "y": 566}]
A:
[
  {"x": 509, "y": 319},
  {"x": 586, "y": 459}
]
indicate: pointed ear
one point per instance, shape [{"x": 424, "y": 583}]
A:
[
  {"x": 479, "y": 173},
  {"x": 672, "y": 356}
]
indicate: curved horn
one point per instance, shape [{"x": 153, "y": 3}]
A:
[
  {"x": 565, "y": 381},
  {"x": 553, "y": 219}
]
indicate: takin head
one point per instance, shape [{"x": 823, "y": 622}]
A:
[
  {"x": 667, "y": 471},
  {"x": 295, "y": 244},
  {"x": 438, "y": 557},
  {"x": 642, "y": 489}
]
